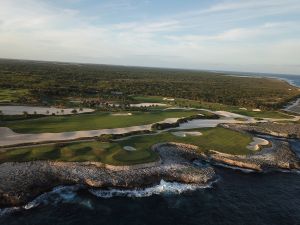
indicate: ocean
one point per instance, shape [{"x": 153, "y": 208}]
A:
[
  {"x": 237, "y": 198},
  {"x": 292, "y": 79}
]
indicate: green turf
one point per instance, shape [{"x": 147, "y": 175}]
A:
[
  {"x": 9, "y": 95},
  {"x": 218, "y": 139},
  {"x": 264, "y": 114},
  {"x": 149, "y": 99},
  {"x": 94, "y": 121}
]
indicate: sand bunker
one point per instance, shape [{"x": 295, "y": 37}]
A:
[
  {"x": 169, "y": 99},
  {"x": 121, "y": 114},
  {"x": 129, "y": 148},
  {"x": 187, "y": 133},
  {"x": 256, "y": 143},
  {"x": 19, "y": 110},
  {"x": 229, "y": 114}
]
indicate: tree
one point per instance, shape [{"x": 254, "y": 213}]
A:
[{"x": 25, "y": 113}]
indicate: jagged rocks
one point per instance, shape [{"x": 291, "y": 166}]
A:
[{"x": 20, "y": 182}]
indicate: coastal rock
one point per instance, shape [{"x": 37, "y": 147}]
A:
[
  {"x": 279, "y": 156},
  {"x": 286, "y": 130},
  {"x": 21, "y": 182}
]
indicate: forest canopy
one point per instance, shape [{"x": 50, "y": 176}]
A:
[{"x": 57, "y": 80}]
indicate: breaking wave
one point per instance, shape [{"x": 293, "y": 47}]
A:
[
  {"x": 162, "y": 188},
  {"x": 68, "y": 194},
  {"x": 61, "y": 194}
]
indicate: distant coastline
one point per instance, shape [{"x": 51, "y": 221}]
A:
[{"x": 291, "y": 79}]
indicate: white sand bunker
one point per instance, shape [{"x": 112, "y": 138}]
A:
[
  {"x": 121, "y": 114},
  {"x": 187, "y": 133},
  {"x": 129, "y": 148},
  {"x": 256, "y": 143}
]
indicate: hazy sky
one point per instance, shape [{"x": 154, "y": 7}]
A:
[{"x": 245, "y": 35}]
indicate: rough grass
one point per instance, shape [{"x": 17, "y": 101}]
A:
[
  {"x": 219, "y": 139},
  {"x": 56, "y": 124}
]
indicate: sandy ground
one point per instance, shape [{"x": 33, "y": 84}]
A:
[
  {"x": 19, "y": 110},
  {"x": 256, "y": 143},
  {"x": 121, "y": 114},
  {"x": 187, "y": 133},
  {"x": 129, "y": 148}
]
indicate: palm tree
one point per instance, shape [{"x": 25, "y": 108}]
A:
[{"x": 74, "y": 111}]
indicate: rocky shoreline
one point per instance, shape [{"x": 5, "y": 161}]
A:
[
  {"x": 279, "y": 156},
  {"x": 285, "y": 130},
  {"x": 21, "y": 182}
]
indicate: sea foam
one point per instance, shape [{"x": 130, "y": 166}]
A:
[{"x": 162, "y": 188}]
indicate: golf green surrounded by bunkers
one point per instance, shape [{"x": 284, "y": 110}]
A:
[
  {"x": 95, "y": 121},
  {"x": 219, "y": 139}
]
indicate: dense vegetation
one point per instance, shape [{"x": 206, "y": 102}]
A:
[
  {"x": 219, "y": 139},
  {"x": 46, "y": 82}
]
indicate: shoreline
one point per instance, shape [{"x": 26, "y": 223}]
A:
[
  {"x": 270, "y": 76},
  {"x": 22, "y": 182}
]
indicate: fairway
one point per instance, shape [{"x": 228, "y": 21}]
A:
[
  {"x": 100, "y": 120},
  {"x": 219, "y": 139}
]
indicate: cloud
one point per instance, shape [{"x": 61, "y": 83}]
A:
[{"x": 209, "y": 38}]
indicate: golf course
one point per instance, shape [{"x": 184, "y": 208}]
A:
[
  {"x": 95, "y": 121},
  {"x": 219, "y": 139}
]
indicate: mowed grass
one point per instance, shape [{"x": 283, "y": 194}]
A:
[
  {"x": 149, "y": 99},
  {"x": 56, "y": 124},
  {"x": 264, "y": 114},
  {"x": 217, "y": 106},
  {"x": 219, "y": 139},
  {"x": 9, "y": 95}
]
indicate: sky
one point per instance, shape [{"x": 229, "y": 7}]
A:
[{"x": 231, "y": 35}]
